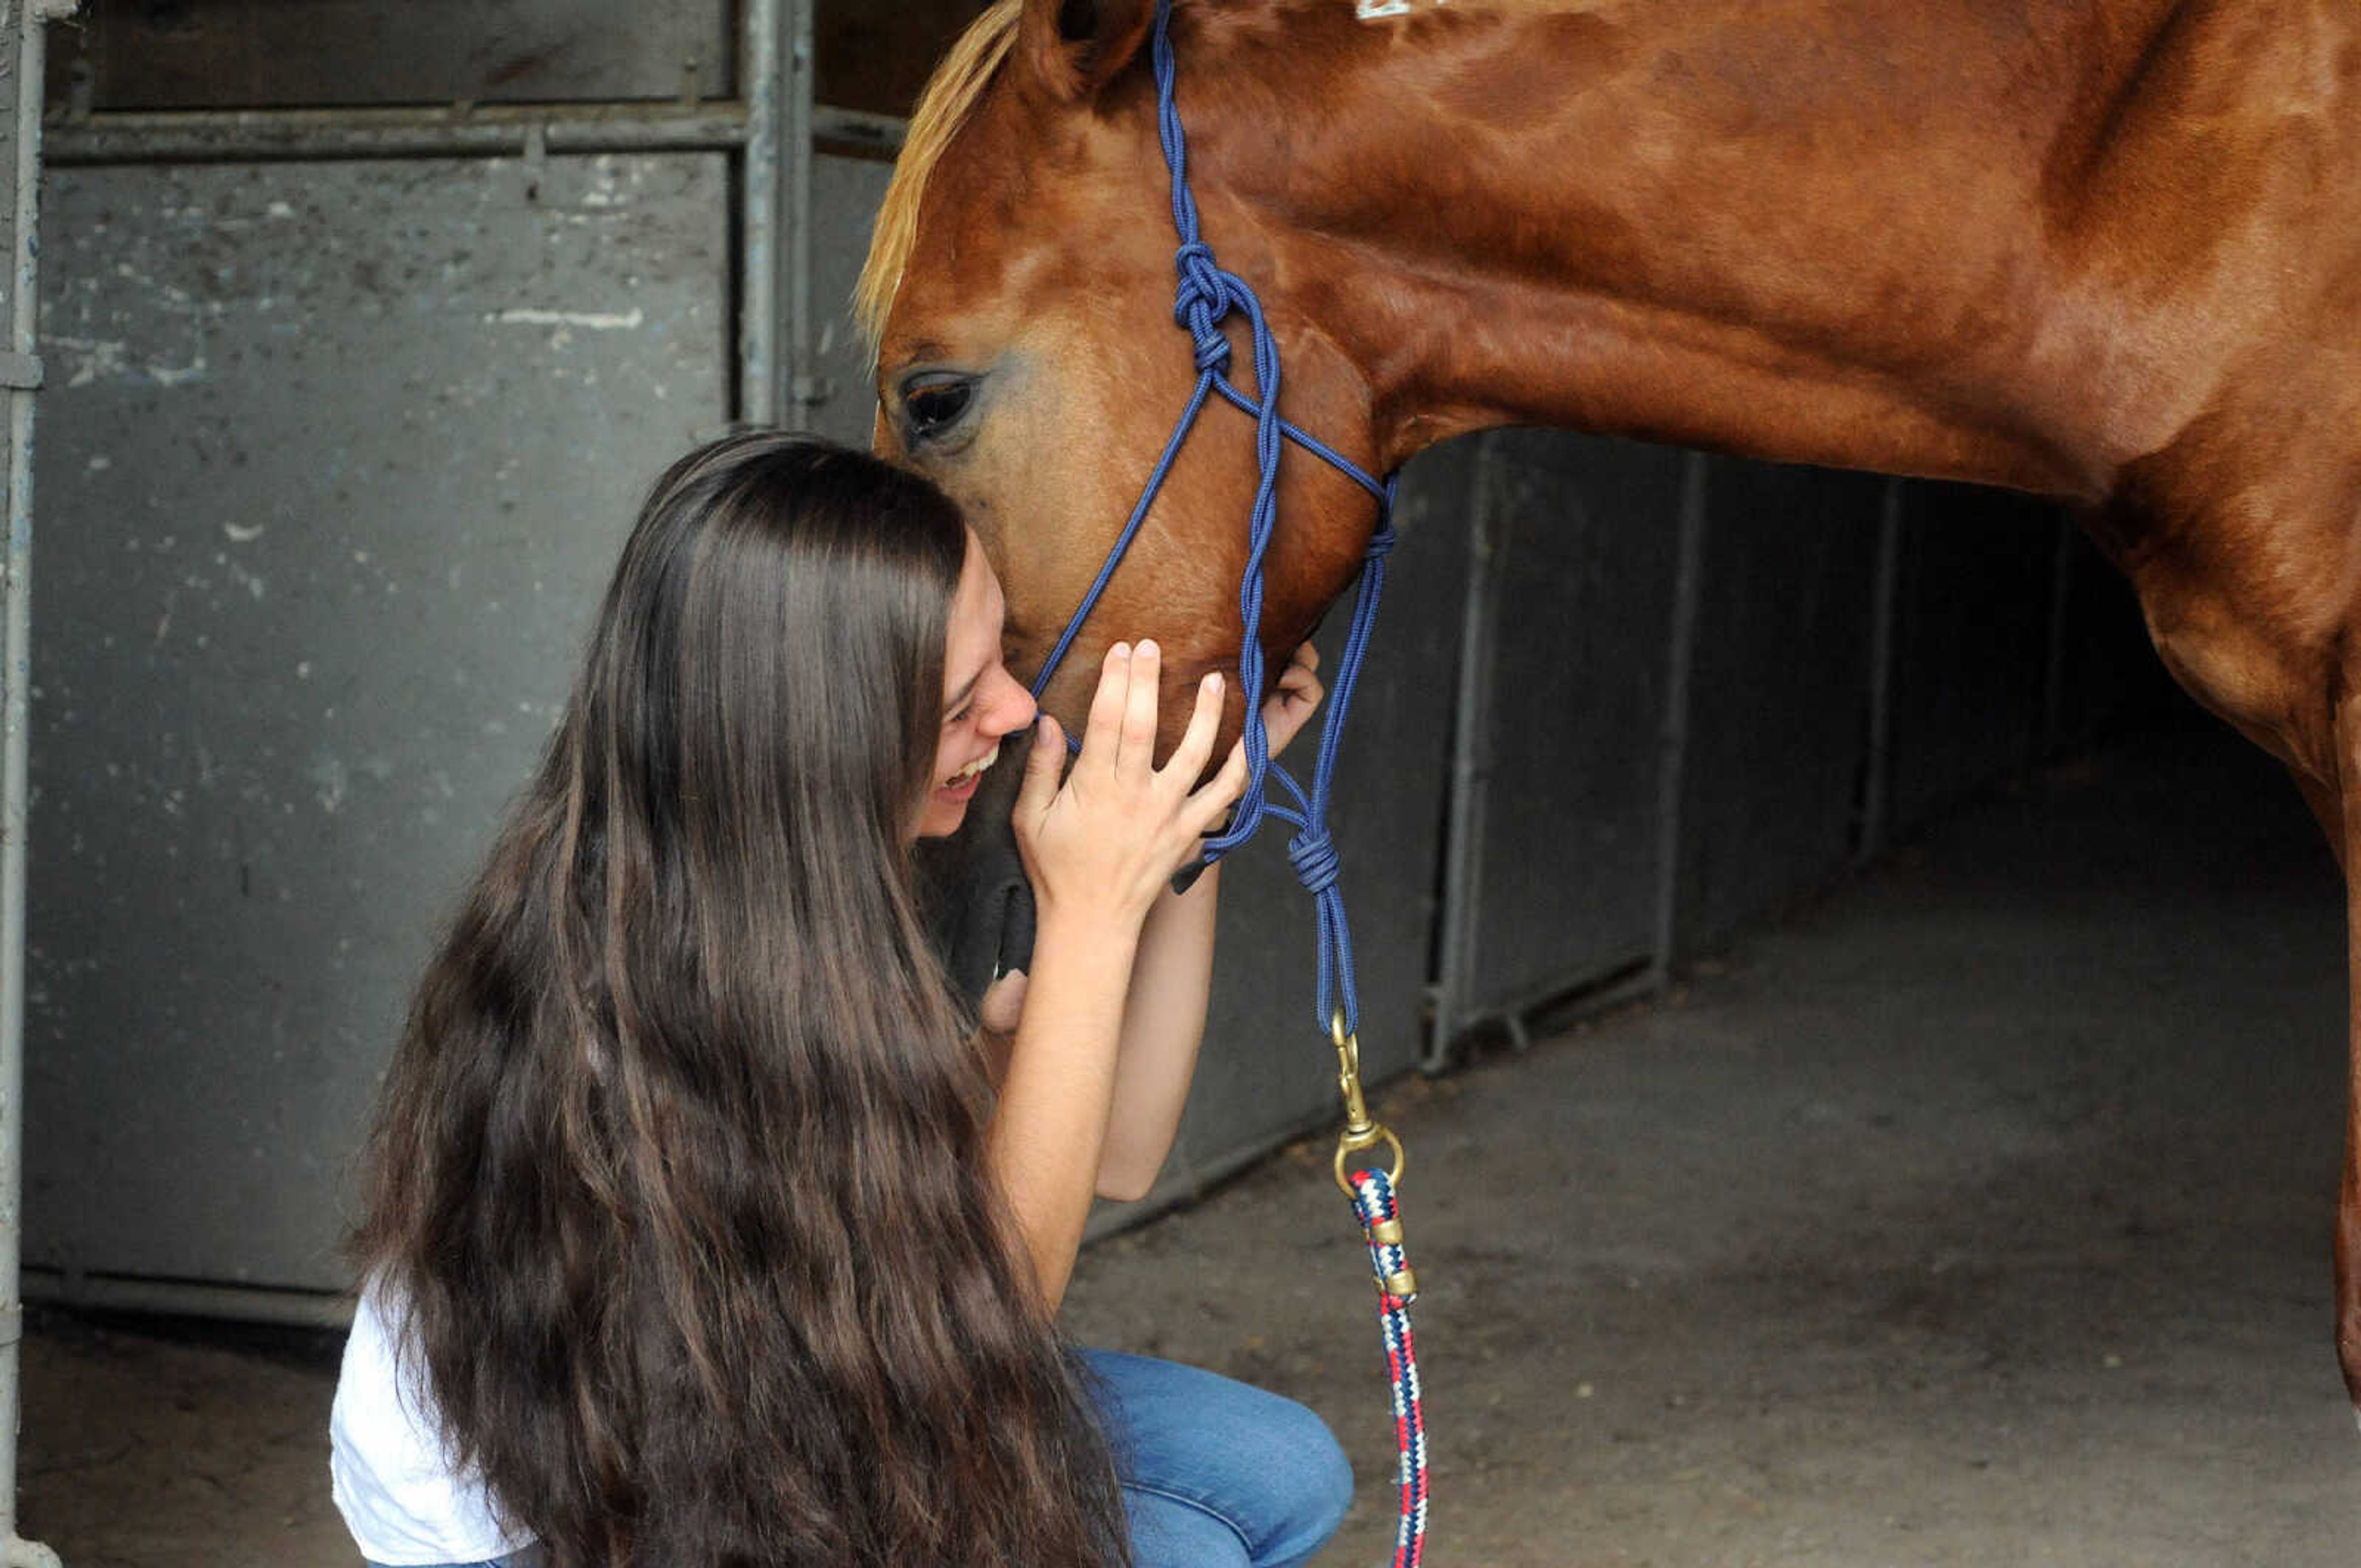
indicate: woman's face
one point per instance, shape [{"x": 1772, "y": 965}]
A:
[{"x": 982, "y": 701}]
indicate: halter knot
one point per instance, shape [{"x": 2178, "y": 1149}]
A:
[
  {"x": 1314, "y": 855},
  {"x": 1203, "y": 296},
  {"x": 1381, "y": 543}
]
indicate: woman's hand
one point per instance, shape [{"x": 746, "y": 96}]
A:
[
  {"x": 1107, "y": 841},
  {"x": 1292, "y": 701}
]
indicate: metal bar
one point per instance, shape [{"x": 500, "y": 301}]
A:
[
  {"x": 15, "y": 684},
  {"x": 759, "y": 218},
  {"x": 857, "y": 132},
  {"x": 1673, "y": 738},
  {"x": 805, "y": 389},
  {"x": 191, "y": 1298},
  {"x": 279, "y": 135},
  {"x": 265, "y": 136},
  {"x": 1470, "y": 725},
  {"x": 1885, "y": 595}
]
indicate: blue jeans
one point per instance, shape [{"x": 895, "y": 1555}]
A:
[{"x": 1217, "y": 1474}]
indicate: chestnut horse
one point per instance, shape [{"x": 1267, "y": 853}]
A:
[{"x": 2107, "y": 251}]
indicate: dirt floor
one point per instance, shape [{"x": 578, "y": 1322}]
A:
[{"x": 1976, "y": 1214}]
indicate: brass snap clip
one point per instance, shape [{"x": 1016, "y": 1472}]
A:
[{"x": 1360, "y": 1132}]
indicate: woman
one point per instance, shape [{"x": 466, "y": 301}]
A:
[{"x": 700, "y": 1227}]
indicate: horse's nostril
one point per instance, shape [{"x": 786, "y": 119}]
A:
[{"x": 1016, "y": 929}]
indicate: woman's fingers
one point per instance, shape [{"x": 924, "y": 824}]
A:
[
  {"x": 1298, "y": 692},
  {"x": 1302, "y": 675},
  {"x": 1206, "y": 805},
  {"x": 1138, "y": 750},
  {"x": 1002, "y": 1007},
  {"x": 1102, "y": 728},
  {"x": 1188, "y": 759},
  {"x": 1040, "y": 786}
]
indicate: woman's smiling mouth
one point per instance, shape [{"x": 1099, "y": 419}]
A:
[{"x": 962, "y": 783}]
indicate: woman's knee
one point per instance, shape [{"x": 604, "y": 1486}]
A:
[
  {"x": 1315, "y": 1491},
  {"x": 1258, "y": 1459},
  {"x": 1277, "y": 1512}
]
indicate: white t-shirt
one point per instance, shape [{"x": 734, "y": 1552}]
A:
[{"x": 389, "y": 1470}]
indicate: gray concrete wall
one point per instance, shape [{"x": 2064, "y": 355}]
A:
[{"x": 335, "y": 461}]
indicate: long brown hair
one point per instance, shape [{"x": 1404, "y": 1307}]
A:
[{"x": 678, "y": 1178}]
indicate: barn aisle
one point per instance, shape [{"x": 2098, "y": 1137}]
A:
[{"x": 1976, "y": 1214}]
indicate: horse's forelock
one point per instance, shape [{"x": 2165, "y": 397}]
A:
[{"x": 950, "y": 98}]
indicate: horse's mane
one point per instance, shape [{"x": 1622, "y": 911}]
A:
[{"x": 950, "y": 95}]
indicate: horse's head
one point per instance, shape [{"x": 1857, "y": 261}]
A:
[{"x": 1020, "y": 292}]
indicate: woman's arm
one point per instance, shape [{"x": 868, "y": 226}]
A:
[
  {"x": 1163, "y": 1025},
  {"x": 1046, "y": 1132},
  {"x": 1098, "y": 850},
  {"x": 1171, "y": 984}
]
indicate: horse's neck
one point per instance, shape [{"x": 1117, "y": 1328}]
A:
[{"x": 1884, "y": 234}]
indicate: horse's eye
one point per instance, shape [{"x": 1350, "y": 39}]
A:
[{"x": 934, "y": 406}]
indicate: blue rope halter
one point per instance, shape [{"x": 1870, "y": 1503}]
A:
[{"x": 1207, "y": 296}]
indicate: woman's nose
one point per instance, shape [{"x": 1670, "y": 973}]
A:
[{"x": 1013, "y": 708}]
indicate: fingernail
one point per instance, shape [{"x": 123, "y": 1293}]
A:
[
  {"x": 1213, "y": 680},
  {"x": 1147, "y": 646},
  {"x": 1120, "y": 651}
]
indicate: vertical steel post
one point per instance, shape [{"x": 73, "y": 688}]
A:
[
  {"x": 761, "y": 87},
  {"x": 804, "y": 391},
  {"x": 1673, "y": 737},
  {"x": 776, "y": 384},
  {"x": 16, "y": 665},
  {"x": 1471, "y": 764},
  {"x": 1886, "y": 599}
]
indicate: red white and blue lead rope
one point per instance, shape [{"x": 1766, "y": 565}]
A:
[{"x": 1373, "y": 1203}]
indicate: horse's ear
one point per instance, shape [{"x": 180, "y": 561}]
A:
[{"x": 1076, "y": 47}]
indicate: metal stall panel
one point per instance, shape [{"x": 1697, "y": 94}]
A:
[
  {"x": 1268, "y": 1070},
  {"x": 24, "y": 35},
  {"x": 252, "y": 54},
  {"x": 340, "y": 459},
  {"x": 846, "y": 192},
  {"x": 1973, "y": 618},
  {"x": 1778, "y": 701},
  {"x": 1564, "y": 833}
]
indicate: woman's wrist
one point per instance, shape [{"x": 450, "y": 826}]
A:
[
  {"x": 1109, "y": 908},
  {"x": 1088, "y": 934}
]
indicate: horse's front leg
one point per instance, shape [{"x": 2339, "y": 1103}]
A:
[{"x": 2340, "y": 811}]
